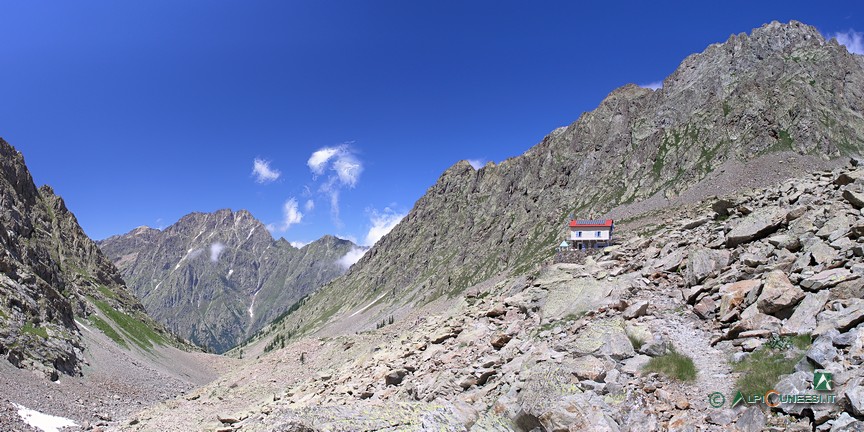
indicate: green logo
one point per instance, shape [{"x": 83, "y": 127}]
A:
[
  {"x": 716, "y": 399},
  {"x": 823, "y": 381},
  {"x": 739, "y": 397}
]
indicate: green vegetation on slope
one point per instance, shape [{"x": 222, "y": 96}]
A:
[{"x": 138, "y": 332}]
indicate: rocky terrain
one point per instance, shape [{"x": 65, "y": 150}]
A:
[
  {"x": 783, "y": 89},
  {"x": 217, "y": 278},
  {"x": 764, "y": 276}
]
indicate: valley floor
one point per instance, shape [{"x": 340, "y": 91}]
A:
[{"x": 116, "y": 383}]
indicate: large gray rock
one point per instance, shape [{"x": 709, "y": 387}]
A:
[
  {"x": 702, "y": 263},
  {"x": 842, "y": 319},
  {"x": 803, "y": 320},
  {"x": 778, "y": 293},
  {"x": 827, "y": 279},
  {"x": 752, "y": 420},
  {"x": 757, "y": 225}
]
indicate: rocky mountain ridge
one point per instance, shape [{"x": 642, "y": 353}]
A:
[
  {"x": 781, "y": 90},
  {"x": 53, "y": 279},
  {"x": 217, "y": 278}
]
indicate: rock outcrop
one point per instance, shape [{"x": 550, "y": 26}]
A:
[
  {"x": 51, "y": 275},
  {"x": 217, "y": 278}
]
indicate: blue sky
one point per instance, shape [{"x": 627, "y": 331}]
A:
[{"x": 138, "y": 112}]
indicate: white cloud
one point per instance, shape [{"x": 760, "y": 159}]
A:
[
  {"x": 216, "y": 250},
  {"x": 309, "y": 206},
  {"x": 382, "y": 223},
  {"x": 291, "y": 215},
  {"x": 298, "y": 244},
  {"x": 343, "y": 170},
  {"x": 656, "y": 85},
  {"x": 318, "y": 161},
  {"x": 262, "y": 171},
  {"x": 477, "y": 163},
  {"x": 852, "y": 40},
  {"x": 351, "y": 257}
]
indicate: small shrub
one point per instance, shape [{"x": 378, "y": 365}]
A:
[
  {"x": 762, "y": 369},
  {"x": 636, "y": 341},
  {"x": 29, "y": 328},
  {"x": 674, "y": 365}
]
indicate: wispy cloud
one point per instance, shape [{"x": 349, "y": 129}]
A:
[
  {"x": 298, "y": 244},
  {"x": 382, "y": 223},
  {"x": 351, "y": 257},
  {"x": 656, "y": 85},
  {"x": 262, "y": 171},
  {"x": 342, "y": 169},
  {"x": 477, "y": 163},
  {"x": 309, "y": 206},
  {"x": 216, "y": 250},
  {"x": 852, "y": 40},
  {"x": 291, "y": 215}
]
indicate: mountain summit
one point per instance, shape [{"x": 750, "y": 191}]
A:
[
  {"x": 753, "y": 109},
  {"x": 216, "y": 278}
]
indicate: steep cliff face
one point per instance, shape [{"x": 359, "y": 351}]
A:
[
  {"x": 215, "y": 278},
  {"x": 51, "y": 274},
  {"x": 781, "y": 89}
]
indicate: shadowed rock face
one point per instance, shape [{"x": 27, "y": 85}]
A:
[
  {"x": 50, "y": 272},
  {"x": 783, "y": 88},
  {"x": 216, "y": 278}
]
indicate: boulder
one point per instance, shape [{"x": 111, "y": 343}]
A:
[
  {"x": 822, "y": 253},
  {"x": 636, "y": 310},
  {"x": 705, "y": 308},
  {"x": 843, "y": 319},
  {"x": 702, "y": 263},
  {"x": 785, "y": 241},
  {"x": 778, "y": 293},
  {"x": 827, "y": 279},
  {"x": 854, "y": 396},
  {"x": 803, "y": 320},
  {"x": 589, "y": 368},
  {"x": 854, "y": 198},
  {"x": 753, "y": 420},
  {"x": 758, "y": 224},
  {"x": 822, "y": 352},
  {"x": 395, "y": 377},
  {"x": 732, "y": 295}
]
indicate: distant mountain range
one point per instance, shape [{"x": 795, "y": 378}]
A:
[{"x": 216, "y": 278}]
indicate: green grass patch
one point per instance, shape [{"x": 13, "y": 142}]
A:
[
  {"x": 636, "y": 341},
  {"x": 109, "y": 331},
  {"x": 762, "y": 369},
  {"x": 29, "y": 328},
  {"x": 138, "y": 332},
  {"x": 674, "y": 365}
]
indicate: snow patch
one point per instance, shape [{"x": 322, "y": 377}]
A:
[
  {"x": 83, "y": 326},
  {"x": 250, "y": 233},
  {"x": 230, "y": 272},
  {"x": 367, "y": 306},
  {"x": 43, "y": 422}
]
